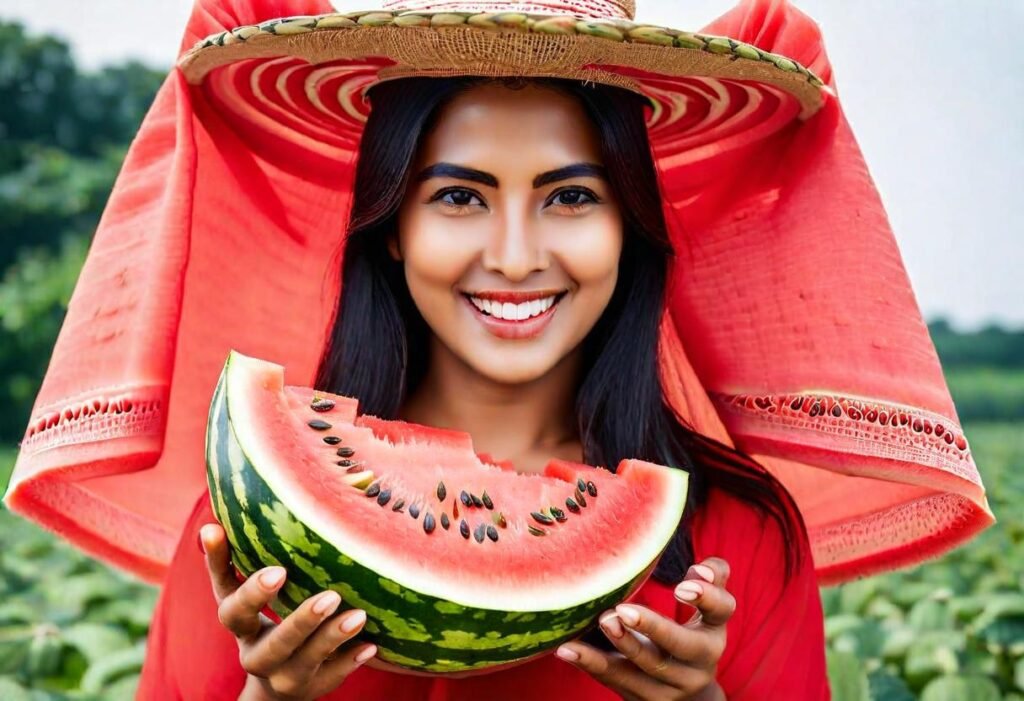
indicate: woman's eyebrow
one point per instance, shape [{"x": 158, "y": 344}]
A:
[
  {"x": 450, "y": 170},
  {"x": 575, "y": 170}
]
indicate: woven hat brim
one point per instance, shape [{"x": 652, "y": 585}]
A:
[{"x": 506, "y": 44}]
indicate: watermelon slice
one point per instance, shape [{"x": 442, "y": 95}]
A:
[{"x": 461, "y": 565}]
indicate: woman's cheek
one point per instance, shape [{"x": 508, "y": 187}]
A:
[
  {"x": 436, "y": 254},
  {"x": 590, "y": 254}
]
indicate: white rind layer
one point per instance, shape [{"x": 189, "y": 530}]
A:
[{"x": 250, "y": 382}]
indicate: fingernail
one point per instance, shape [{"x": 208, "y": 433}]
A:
[
  {"x": 705, "y": 573},
  {"x": 353, "y": 621},
  {"x": 366, "y": 654},
  {"x": 611, "y": 625},
  {"x": 629, "y": 615},
  {"x": 327, "y": 602},
  {"x": 272, "y": 577},
  {"x": 202, "y": 540},
  {"x": 689, "y": 590},
  {"x": 567, "y": 654}
]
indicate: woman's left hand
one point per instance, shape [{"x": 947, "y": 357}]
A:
[{"x": 657, "y": 658}]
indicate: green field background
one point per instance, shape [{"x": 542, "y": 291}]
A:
[{"x": 70, "y": 628}]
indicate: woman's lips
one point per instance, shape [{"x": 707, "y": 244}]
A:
[{"x": 514, "y": 330}]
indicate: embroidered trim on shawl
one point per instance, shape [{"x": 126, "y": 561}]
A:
[
  {"x": 105, "y": 414},
  {"x": 879, "y": 429}
]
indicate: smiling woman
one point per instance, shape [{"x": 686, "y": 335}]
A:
[
  {"x": 478, "y": 226},
  {"x": 517, "y": 294},
  {"x": 562, "y": 232}
]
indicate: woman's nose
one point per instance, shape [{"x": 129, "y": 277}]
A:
[{"x": 516, "y": 247}]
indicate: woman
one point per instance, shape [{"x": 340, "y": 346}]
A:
[
  {"x": 724, "y": 276},
  {"x": 445, "y": 216}
]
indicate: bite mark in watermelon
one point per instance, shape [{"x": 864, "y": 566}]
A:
[{"x": 393, "y": 516}]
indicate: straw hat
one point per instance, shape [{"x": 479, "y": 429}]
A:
[{"x": 791, "y": 329}]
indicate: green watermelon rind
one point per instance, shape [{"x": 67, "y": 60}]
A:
[{"x": 411, "y": 628}]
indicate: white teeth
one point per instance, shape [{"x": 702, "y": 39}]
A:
[{"x": 513, "y": 312}]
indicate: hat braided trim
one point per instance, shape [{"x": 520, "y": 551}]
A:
[{"x": 503, "y": 44}]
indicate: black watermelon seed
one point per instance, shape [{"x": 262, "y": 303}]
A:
[
  {"x": 541, "y": 518},
  {"x": 322, "y": 405},
  {"x": 441, "y": 491},
  {"x": 480, "y": 532},
  {"x": 373, "y": 490},
  {"x": 465, "y": 498},
  {"x": 580, "y": 499},
  {"x": 464, "y": 529},
  {"x": 572, "y": 506},
  {"x": 384, "y": 497},
  {"x": 345, "y": 463},
  {"x": 476, "y": 500},
  {"x": 318, "y": 424},
  {"x": 559, "y": 514},
  {"x": 487, "y": 500},
  {"x": 499, "y": 518},
  {"x": 444, "y": 521},
  {"x": 492, "y": 533},
  {"x": 428, "y": 523},
  {"x": 591, "y": 489},
  {"x": 345, "y": 452},
  {"x": 332, "y": 440},
  {"x": 581, "y": 485},
  {"x": 414, "y": 511},
  {"x": 398, "y": 505},
  {"x": 536, "y": 531}
]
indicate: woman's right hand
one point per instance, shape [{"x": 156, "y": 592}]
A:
[{"x": 292, "y": 660}]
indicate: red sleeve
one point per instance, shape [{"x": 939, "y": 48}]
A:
[
  {"x": 189, "y": 654},
  {"x": 775, "y": 647}
]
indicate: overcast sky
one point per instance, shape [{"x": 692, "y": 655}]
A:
[{"x": 934, "y": 90}]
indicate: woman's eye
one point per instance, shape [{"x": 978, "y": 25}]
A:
[
  {"x": 573, "y": 198},
  {"x": 459, "y": 198}
]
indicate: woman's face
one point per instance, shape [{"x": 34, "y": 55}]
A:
[{"x": 509, "y": 231}]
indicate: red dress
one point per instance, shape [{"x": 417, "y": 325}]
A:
[{"x": 775, "y": 646}]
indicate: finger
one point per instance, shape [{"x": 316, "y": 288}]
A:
[
  {"x": 696, "y": 647},
  {"x": 336, "y": 670},
  {"x": 715, "y": 603},
  {"x": 218, "y": 561},
  {"x": 240, "y": 611},
  {"x": 642, "y": 652},
  {"x": 715, "y": 565},
  {"x": 276, "y": 647},
  {"x": 614, "y": 671},
  {"x": 328, "y": 637}
]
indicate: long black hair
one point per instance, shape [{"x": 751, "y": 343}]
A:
[{"x": 620, "y": 407}]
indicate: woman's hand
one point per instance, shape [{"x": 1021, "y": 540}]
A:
[
  {"x": 658, "y": 658},
  {"x": 293, "y": 660}
]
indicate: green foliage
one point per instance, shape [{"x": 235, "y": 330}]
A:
[
  {"x": 952, "y": 629},
  {"x": 987, "y": 393},
  {"x": 70, "y": 628},
  {"x": 989, "y": 347}
]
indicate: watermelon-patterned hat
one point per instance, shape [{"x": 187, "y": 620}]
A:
[{"x": 791, "y": 329}]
